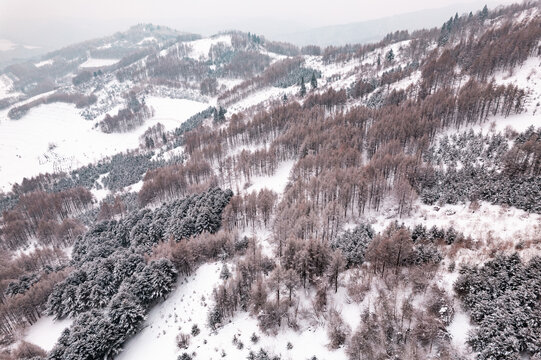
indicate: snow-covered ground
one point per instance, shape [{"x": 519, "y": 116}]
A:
[
  {"x": 487, "y": 223},
  {"x": 171, "y": 113},
  {"x": 55, "y": 137},
  {"x": 46, "y": 331},
  {"x": 276, "y": 182},
  {"x": 459, "y": 328},
  {"x": 201, "y": 47},
  {"x": 6, "y": 87},
  {"x": 186, "y": 306},
  {"x": 148, "y": 39},
  {"x": 261, "y": 96},
  {"x": 189, "y": 305},
  {"x": 44, "y": 62},
  {"x": 95, "y": 62}
]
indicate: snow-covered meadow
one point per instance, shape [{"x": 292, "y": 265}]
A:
[
  {"x": 95, "y": 62},
  {"x": 54, "y": 137}
]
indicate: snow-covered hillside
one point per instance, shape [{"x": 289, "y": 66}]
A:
[
  {"x": 94, "y": 63},
  {"x": 327, "y": 245},
  {"x": 54, "y": 137}
]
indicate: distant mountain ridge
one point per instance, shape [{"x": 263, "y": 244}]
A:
[{"x": 374, "y": 30}]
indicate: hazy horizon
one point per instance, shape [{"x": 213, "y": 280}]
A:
[{"x": 57, "y": 23}]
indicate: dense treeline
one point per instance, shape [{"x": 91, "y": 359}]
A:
[
  {"x": 80, "y": 100},
  {"x": 115, "y": 282},
  {"x": 45, "y": 216},
  {"x": 133, "y": 116},
  {"x": 269, "y": 289},
  {"x": 502, "y": 298},
  {"x": 25, "y": 284},
  {"x": 501, "y": 48},
  {"x": 49, "y": 213},
  {"x": 250, "y": 209},
  {"x": 281, "y": 73},
  {"x": 169, "y": 182},
  {"x": 347, "y": 161},
  {"x": 480, "y": 167},
  {"x": 174, "y": 67}
]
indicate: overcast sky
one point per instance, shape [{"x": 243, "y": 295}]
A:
[{"x": 24, "y": 20}]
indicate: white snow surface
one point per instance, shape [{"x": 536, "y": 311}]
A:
[
  {"x": 46, "y": 331},
  {"x": 95, "y": 62},
  {"x": 262, "y": 96},
  {"x": 183, "y": 308},
  {"x": 44, "y": 62},
  {"x": 54, "y": 137},
  {"x": 6, "y": 86},
  {"x": 148, "y": 39},
  {"x": 189, "y": 305},
  {"x": 490, "y": 223},
  {"x": 276, "y": 182},
  {"x": 201, "y": 47},
  {"x": 459, "y": 328}
]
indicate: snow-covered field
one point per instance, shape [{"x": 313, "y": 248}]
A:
[
  {"x": 186, "y": 306},
  {"x": 189, "y": 305},
  {"x": 6, "y": 86},
  {"x": 46, "y": 331},
  {"x": 201, "y": 47},
  {"x": 276, "y": 182},
  {"x": 94, "y": 62},
  {"x": 261, "y": 96},
  {"x": 44, "y": 62},
  {"x": 55, "y": 137},
  {"x": 487, "y": 223}
]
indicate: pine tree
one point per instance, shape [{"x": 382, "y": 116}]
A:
[
  {"x": 225, "y": 273},
  {"x": 484, "y": 13},
  {"x": 353, "y": 244},
  {"x": 303, "y": 87},
  {"x": 313, "y": 81},
  {"x": 221, "y": 114},
  {"x": 390, "y": 56},
  {"x": 126, "y": 313}
]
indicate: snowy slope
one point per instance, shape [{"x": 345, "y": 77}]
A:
[
  {"x": 46, "y": 331},
  {"x": 92, "y": 62},
  {"x": 54, "y": 137},
  {"x": 6, "y": 87},
  {"x": 200, "y": 48},
  {"x": 187, "y": 305}
]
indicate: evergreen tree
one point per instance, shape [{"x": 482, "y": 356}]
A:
[
  {"x": 303, "y": 87},
  {"x": 221, "y": 114},
  {"x": 225, "y": 273},
  {"x": 484, "y": 13},
  {"x": 313, "y": 81},
  {"x": 126, "y": 313},
  {"x": 353, "y": 244},
  {"x": 390, "y": 56}
]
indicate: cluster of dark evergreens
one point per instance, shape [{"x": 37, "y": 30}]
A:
[
  {"x": 503, "y": 299},
  {"x": 114, "y": 285},
  {"x": 481, "y": 167}
]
